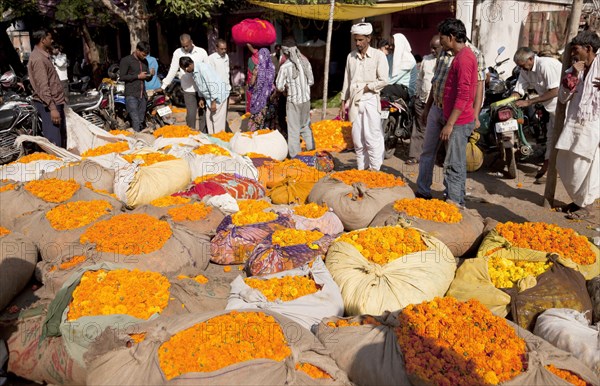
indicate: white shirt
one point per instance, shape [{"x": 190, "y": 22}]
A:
[
  {"x": 221, "y": 65},
  {"x": 544, "y": 75},
  {"x": 298, "y": 89},
  {"x": 425, "y": 77},
  {"x": 187, "y": 81},
  {"x": 61, "y": 64}
]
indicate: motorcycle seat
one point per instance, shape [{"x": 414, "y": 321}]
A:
[
  {"x": 6, "y": 118},
  {"x": 81, "y": 102}
]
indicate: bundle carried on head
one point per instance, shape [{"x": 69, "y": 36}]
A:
[{"x": 258, "y": 32}]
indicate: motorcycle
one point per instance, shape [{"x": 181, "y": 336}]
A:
[
  {"x": 79, "y": 85},
  {"x": 12, "y": 86},
  {"x": 396, "y": 121},
  {"x": 18, "y": 116},
  {"x": 89, "y": 106}
]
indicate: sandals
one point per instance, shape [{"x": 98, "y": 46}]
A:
[
  {"x": 412, "y": 161},
  {"x": 580, "y": 214},
  {"x": 572, "y": 207}
]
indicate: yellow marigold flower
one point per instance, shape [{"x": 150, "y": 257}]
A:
[
  {"x": 136, "y": 293},
  {"x": 246, "y": 218},
  {"x": 128, "y": 234},
  {"x": 212, "y": 149},
  {"x": 289, "y": 237},
  {"x": 7, "y": 187},
  {"x": 445, "y": 341},
  {"x": 222, "y": 341},
  {"x": 227, "y": 268},
  {"x": 114, "y": 147},
  {"x": 124, "y": 132},
  {"x": 52, "y": 189},
  {"x": 371, "y": 178},
  {"x": 77, "y": 214},
  {"x": 190, "y": 212},
  {"x": 166, "y": 201},
  {"x": 549, "y": 238},
  {"x": 256, "y": 155},
  {"x": 253, "y": 205},
  {"x": 505, "y": 273},
  {"x": 311, "y": 210},
  {"x": 223, "y": 136},
  {"x": 382, "y": 245},
  {"x": 332, "y": 135},
  {"x": 100, "y": 191},
  {"x": 149, "y": 158},
  {"x": 432, "y": 210},
  {"x": 567, "y": 375},
  {"x": 38, "y": 156},
  {"x": 312, "y": 371},
  {"x": 174, "y": 131},
  {"x": 285, "y": 289},
  {"x": 4, "y": 231}
]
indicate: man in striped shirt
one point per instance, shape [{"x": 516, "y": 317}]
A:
[{"x": 295, "y": 77}]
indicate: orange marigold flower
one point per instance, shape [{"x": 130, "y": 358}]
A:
[
  {"x": 52, "y": 189},
  {"x": 149, "y": 158},
  {"x": 136, "y": 293},
  {"x": 174, "y": 131},
  {"x": 332, "y": 135},
  {"x": 311, "y": 210},
  {"x": 124, "y": 132},
  {"x": 253, "y": 205},
  {"x": 176, "y": 109},
  {"x": 227, "y": 268},
  {"x": 72, "y": 262},
  {"x": 199, "y": 279},
  {"x": 166, "y": 201},
  {"x": 371, "y": 178},
  {"x": 114, "y": 147},
  {"x": 549, "y": 238},
  {"x": 190, "y": 212},
  {"x": 312, "y": 371},
  {"x": 212, "y": 149},
  {"x": 38, "y": 156},
  {"x": 257, "y": 155},
  {"x": 246, "y": 218},
  {"x": 445, "y": 341},
  {"x": 222, "y": 341},
  {"x": 7, "y": 187},
  {"x": 382, "y": 245},
  {"x": 257, "y": 132},
  {"x": 100, "y": 191},
  {"x": 77, "y": 214},
  {"x": 289, "y": 237},
  {"x": 138, "y": 338},
  {"x": 223, "y": 136},
  {"x": 567, "y": 375},
  {"x": 4, "y": 231},
  {"x": 285, "y": 289},
  {"x": 432, "y": 210},
  {"x": 128, "y": 234}
]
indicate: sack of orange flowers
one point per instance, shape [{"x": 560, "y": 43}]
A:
[
  {"x": 460, "y": 229},
  {"x": 33, "y": 166},
  {"x": 305, "y": 295},
  {"x": 18, "y": 256},
  {"x": 85, "y": 173},
  {"x": 388, "y": 268},
  {"x": 356, "y": 196},
  {"x": 219, "y": 348},
  {"x": 197, "y": 218},
  {"x": 287, "y": 249},
  {"x": 314, "y": 217},
  {"x": 444, "y": 341},
  {"x": 268, "y": 142},
  {"x": 272, "y": 174}
]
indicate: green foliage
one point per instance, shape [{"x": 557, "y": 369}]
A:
[
  {"x": 190, "y": 8},
  {"x": 73, "y": 11},
  {"x": 357, "y": 2},
  {"x": 17, "y": 8}
]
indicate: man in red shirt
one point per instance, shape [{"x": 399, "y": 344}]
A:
[{"x": 459, "y": 94}]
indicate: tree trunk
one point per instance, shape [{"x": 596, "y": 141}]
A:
[
  {"x": 164, "y": 56},
  {"x": 94, "y": 54},
  {"x": 136, "y": 19},
  {"x": 138, "y": 30}
]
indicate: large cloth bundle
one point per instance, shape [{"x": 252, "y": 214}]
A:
[
  {"x": 320, "y": 160},
  {"x": 290, "y": 191},
  {"x": 271, "y": 144},
  {"x": 258, "y": 32},
  {"x": 474, "y": 153},
  {"x": 18, "y": 256},
  {"x": 238, "y": 187},
  {"x": 329, "y": 223}
]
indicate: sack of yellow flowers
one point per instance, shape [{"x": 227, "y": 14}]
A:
[
  {"x": 197, "y": 217},
  {"x": 332, "y": 135},
  {"x": 54, "y": 274},
  {"x": 287, "y": 249},
  {"x": 33, "y": 166},
  {"x": 138, "y": 240},
  {"x": 84, "y": 173},
  {"x": 273, "y": 173},
  {"x": 18, "y": 255},
  {"x": 290, "y": 191},
  {"x": 356, "y": 196},
  {"x": 314, "y": 217},
  {"x": 219, "y": 348},
  {"x": 460, "y": 229},
  {"x": 270, "y": 143},
  {"x": 305, "y": 294},
  {"x": 388, "y": 268}
]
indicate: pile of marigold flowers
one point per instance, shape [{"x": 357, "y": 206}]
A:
[
  {"x": 38, "y": 156},
  {"x": 149, "y": 158},
  {"x": 115, "y": 147},
  {"x": 332, "y": 135},
  {"x": 4, "y": 231},
  {"x": 174, "y": 131},
  {"x": 505, "y": 273},
  {"x": 166, "y": 201},
  {"x": 190, "y": 212},
  {"x": 7, "y": 187},
  {"x": 288, "y": 237},
  {"x": 136, "y": 293},
  {"x": 201, "y": 279},
  {"x": 53, "y": 189},
  {"x": 128, "y": 234},
  {"x": 211, "y": 149},
  {"x": 77, "y": 214},
  {"x": 311, "y": 210},
  {"x": 346, "y": 323},
  {"x": 285, "y": 289},
  {"x": 567, "y": 375},
  {"x": 548, "y": 238},
  {"x": 447, "y": 342},
  {"x": 382, "y": 245},
  {"x": 72, "y": 262},
  {"x": 312, "y": 371},
  {"x": 124, "y": 132},
  {"x": 99, "y": 191},
  {"x": 253, "y": 205},
  {"x": 222, "y": 341},
  {"x": 256, "y": 155},
  {"x": 371, "y": 178},
  {"x": 223, "y": 136},
  {"x": 432, "y": 210},
  {"x": 257, "y": 132},
  {"x": 252, "y": 212}
]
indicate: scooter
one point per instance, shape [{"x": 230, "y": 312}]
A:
[
  {"x": 18, "y": 116},
  {"x": 396, "y": 121}
]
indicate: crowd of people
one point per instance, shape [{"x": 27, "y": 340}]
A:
[{"x": 445, "y": 88}]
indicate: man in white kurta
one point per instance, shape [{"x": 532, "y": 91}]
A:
[
  {"x": 366, "y": 74},
  {"x": 578, "y": 158}
]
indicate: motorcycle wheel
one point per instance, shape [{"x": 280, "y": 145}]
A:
[
  {"x": 389, "y": 138},
  {"x": 511, "y": 162}
]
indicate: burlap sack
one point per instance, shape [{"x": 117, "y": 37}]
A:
[
  {"x": 138, "y": 365},
  {"x": 593, "y": 287},
  {"x": 18, "y": 255},
  {"x": 17, "y": 171},
  {"x": 355, "y": 205},
  {"x": 53, "y": 276},
  {"x": 462, "y": 238},
  {"x": 370, "y": 288},
  {"x": 290, "y": 191},
  {"x": 206, "y": 226},
  {"x": 86, "y": 171}
]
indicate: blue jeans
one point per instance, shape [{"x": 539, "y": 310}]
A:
[
  {"x": 55, "y": 134},
  {"x": 455, "y": 163},
  {"x": 136, "y": 108},
  {"x": 435, "y": 123}
]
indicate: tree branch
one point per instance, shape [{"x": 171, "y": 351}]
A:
[{"x": 114, "y": 9}]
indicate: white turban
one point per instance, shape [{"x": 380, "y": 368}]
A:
[
  {"x": 403, "y": 59},
  {"x": 362, "y": 29}
]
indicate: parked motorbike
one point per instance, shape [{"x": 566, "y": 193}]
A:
[
  {"x": 79, "y": 85},
  {"x": 88, "y": 105},
  {"x": 13, "y": 86},
  {"x": 396, "y": 121},
  {"x": 18, "y": 116}
]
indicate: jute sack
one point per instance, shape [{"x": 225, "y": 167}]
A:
[
  {"x": 38, "y": 360},
  {"x": 593, "y": 287},
  {"x": 570, "y": 330},
  {"x": 370, "y": 288},
  {"x": 307, "y": 310},
  {"x": 206, "y": 226},
  {"x": 462, "y": 238},
  {"x": 139, "y": 365},
  {"x": 86, "y": 172},
  {"x": 355, "y": 205},
  {"x": 18, "y": 256},
  {"x": 271, "y": 144}
]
